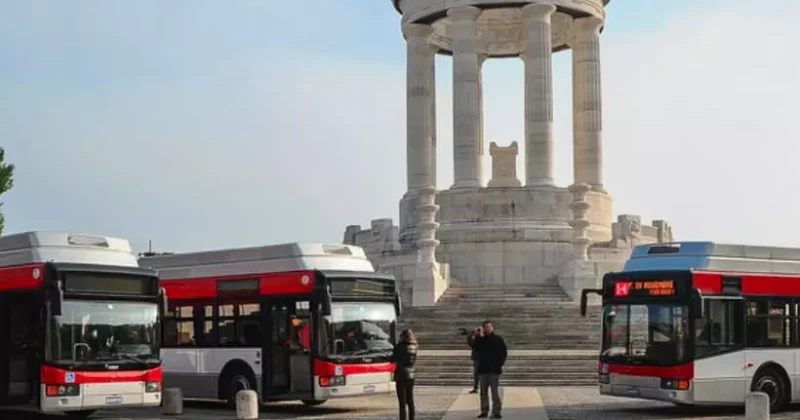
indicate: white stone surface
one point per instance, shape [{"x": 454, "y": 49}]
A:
[
  {"x": 756, "y": 406},
  {"x": 504, "y": 165},
  {"x": 172, "y": 401},
  {"x": 420, "y": 123},
  {"x": 587, "y": 108},
  {"x": 538, "y": 94},
  {"x": 247, "y": 404},
  {"x": 467, "y": 148}
]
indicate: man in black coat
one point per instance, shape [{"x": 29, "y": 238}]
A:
[
  {"x": 491, "y": 351},
  {"x": 476, "y": 334}
]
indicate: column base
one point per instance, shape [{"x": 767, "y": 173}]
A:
[
  {"x": 542, "y": 182},
  {"x": 466, "y": 184}
]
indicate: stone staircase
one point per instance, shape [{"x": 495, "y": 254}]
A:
[{"x": 550, "y": 343}]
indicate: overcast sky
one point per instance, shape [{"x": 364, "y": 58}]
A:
[{"x": 213, "y": 124}]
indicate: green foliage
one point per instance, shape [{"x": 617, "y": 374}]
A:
[{"x": 6, "y": 181}]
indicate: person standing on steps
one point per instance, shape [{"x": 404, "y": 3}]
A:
[
  {"x": 404, "y": 357},
  {"x": 491, "y": 351},
  {"x": 476, "y": 334}
]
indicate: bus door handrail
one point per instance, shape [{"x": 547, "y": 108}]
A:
[{"x": 585, "y": 296}]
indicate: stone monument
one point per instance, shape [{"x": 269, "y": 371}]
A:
[{"x": 504, "y": 232}]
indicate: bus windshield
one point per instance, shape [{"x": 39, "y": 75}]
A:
[
  {"x": 91, "y": 332},
  {"x": 656, "y": 334},
  {"x": 359, "y": 330}
]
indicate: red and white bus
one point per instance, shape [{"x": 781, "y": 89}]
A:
[
  {"x": 302, "y": 322},
  {"x": 80, "y": 324},
  {"x": 702, "y": 323}
]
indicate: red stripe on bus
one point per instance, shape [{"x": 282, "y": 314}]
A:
[
  {"x": 55, "y": 376},
  {"x": 707, "y": 283},
  {"x": 666, "y": 372},
  {"x": 190, "y": 289},
  {"x": 752, "y": 283},
  {"x": 296, "y": 282},
  {"x": 291, "y": 283},
  {"x": 21, "y": 277},
  {"x": 325, "y": 368}
]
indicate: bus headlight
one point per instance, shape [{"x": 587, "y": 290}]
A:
[
  {"x": 678, "y": 384},
  {"x": 331, "y": 381},
  {"x": 152, "y": 386},
  {"x": 62, "y": 390}
]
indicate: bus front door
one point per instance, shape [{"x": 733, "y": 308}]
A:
[
  {"x": 18, "y": 321},
  {"x": 287, "y": 370}
]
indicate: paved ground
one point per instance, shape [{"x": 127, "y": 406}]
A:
[{"x": 572, "y": 403}]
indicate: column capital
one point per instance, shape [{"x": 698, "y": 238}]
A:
[
  {"x": 538, "y": 11},
  {"x": 588, "y": 25},
  {"x": 416, "y": 30},
  {"x": 463, "y": 14}
]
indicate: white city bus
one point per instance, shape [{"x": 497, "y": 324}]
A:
[
  {"x": 702, "y": 323},
  {"x": 80, "y": 324},
  {"x": 302, "y": 322}
]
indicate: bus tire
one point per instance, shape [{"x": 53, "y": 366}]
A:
[
  {"x": 235, "y": 377},
  {"x": 313, "y": 403},
  {"x": 80, "y": 414},
  {"x": 770, "y": 381}
]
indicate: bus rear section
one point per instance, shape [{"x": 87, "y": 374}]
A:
[
  {"x": 702, "y": 323},
  {"x": 83, "y": 324},
  {"x": 304, "y": 322}
]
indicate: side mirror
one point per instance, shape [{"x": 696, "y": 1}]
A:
[
  {"x": 327, "y": 302},
  {"x": 55, "y": 298},
  {"x": 397, "y": 303},
  {"x": 585, "y": 298},
  {"x": 163, "y": 301},
  {"x": 696, "y": 303}
]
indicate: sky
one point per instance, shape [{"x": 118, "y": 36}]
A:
[{"x": 251, "y": 122}]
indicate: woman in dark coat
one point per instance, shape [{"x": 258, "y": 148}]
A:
[{"x": 405, "y": 356}]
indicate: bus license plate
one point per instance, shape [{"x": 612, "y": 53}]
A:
[
  {"x": 114, "y": 400},
  {"x": 368, "y": 389}
]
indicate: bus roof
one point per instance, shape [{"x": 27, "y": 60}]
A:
[
  {"x": 259, "y": 260},
  {"x": 63, "y": 247},
  {"x": 710, "y": 256}
]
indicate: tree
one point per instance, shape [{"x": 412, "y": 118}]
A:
[{"x": 6, "y": 182}]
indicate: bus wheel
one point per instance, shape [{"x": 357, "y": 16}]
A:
[
  {"x": 81, "y": 414},
  {"x": 771, "y": 383},
  {"x": 237, "y": 382},
  {"x": 313, "y": 403}
]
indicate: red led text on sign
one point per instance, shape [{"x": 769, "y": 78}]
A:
[{"x": 622, "y": 288}]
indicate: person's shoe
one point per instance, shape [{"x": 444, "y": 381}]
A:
[
  {"x": 474, "y": 391},
  {"x": 497, "y": 416},
  {"x": 483, "y": 415}
]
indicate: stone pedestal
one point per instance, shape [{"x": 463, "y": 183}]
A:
[
  {"x": 172, "y": 402},
  {"x": 247, "y": 405},
  {"x": 578, "y": 275},
  {"x": 504, "y": 165}
]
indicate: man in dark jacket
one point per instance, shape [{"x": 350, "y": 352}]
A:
[
  {"x": 491, "y": 352},
  {"x": 476, "y": 334}
]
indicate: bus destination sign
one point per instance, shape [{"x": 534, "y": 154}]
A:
[{"x": 641, "y": 288}]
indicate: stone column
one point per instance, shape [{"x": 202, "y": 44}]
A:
[
  {"x": 587, "y": 102},
  {"x": 420, "y": 124},
  {"x": 467, "y": 150},
  {"x": 538, "y": 58}
]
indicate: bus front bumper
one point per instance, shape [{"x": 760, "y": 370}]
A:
[
  {"x": 355, "y": 385},
  {"x": 646, "y": 388},
  {"x": 101, "y": 396}
]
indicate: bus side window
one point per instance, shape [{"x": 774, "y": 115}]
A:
[
  {"x": 768, "y": 323},
  {"x": 720, "y": 330},
  {"x": 179, "y": 327}
]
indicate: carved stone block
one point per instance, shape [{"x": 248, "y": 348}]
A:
[{"x": 504, "y": 165}]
